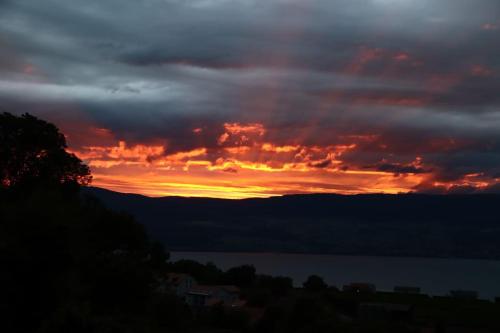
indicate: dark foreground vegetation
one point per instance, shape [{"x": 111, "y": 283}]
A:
[
  {"x": 273, "y": 305},
  {"x": 69, "y": 264}
]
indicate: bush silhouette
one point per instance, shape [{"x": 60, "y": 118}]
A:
[{"x": 315, "y": 283}]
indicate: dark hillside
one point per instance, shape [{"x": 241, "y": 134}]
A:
[{"x": 400, "y": 225}]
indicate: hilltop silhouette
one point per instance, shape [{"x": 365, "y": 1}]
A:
[{"x": 466, "y": 226}]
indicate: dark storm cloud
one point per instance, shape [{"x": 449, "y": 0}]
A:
[
  {"x": 422, "y": 75},
  {"x": 399, "y": 168}
]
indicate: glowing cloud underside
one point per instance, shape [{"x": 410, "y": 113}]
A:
[
  {"x": 238, "y": 99},
  {"x": 244, "y": 165}
]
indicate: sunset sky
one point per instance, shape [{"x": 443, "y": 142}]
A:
[{"x": 254, "y": 98}]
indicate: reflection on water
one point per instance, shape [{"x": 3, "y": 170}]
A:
[{"x": 434, "y": 276}]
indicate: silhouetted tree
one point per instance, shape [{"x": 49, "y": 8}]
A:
[
  {"x": 68, "y": 263},
  {"x": 315, "y": 283},
  {"x": 279, "y": 285},
  {"x": 33, "y": 152},
  {"x": 242, "y": 276},
  {"x": 158, "y": 256},
  {"x": 206, "y": 274}
]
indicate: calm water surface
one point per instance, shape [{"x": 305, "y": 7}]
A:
[{"x": 433, "y": 276}]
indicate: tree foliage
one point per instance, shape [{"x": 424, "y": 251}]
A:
[
  {"x": 33, "y": 152},
  {"x": 241, "y": 276},
  {"x": 68, "y": 263},
  {"x": 315, "y": 283}
]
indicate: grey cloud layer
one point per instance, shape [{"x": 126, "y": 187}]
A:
[{"x": 412, "y": 71}]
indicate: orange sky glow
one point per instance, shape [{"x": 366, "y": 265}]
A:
[
  {"x": 286, "y": 97},
  {"x": 243, "y": 166}
]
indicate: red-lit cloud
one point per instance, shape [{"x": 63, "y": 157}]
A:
[
  {"x": 227, "y": 99},
  {"x": 257, "y": 168},
  {"x": 490, "y": 26}
]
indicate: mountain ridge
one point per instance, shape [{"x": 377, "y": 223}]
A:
[{"x": 459, "y": 225}]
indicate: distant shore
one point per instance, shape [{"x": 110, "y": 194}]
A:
[{"x": 435, "y": 276}]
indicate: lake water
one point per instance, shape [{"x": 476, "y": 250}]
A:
[{"x": 434, "y": 276}]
